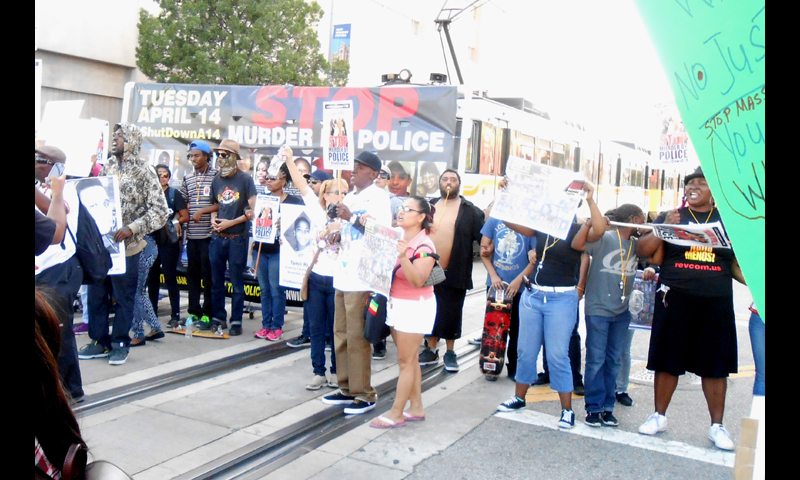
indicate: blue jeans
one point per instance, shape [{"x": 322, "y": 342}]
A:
[
  {"x": 546, "y": 318},
  {"x": 124, "y": 289},
  {"x": 758, "y": 341},
  {"x": 143, "y": 310},
  {"x": 605, "y": 339},
  {"x": 624, "y": 375},
  {"x": 273, "y": 296},
  {"x": 230, "y": 252},
  {"x": 321, "y": 307}
]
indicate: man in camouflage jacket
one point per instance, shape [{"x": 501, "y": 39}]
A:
[{"x": 144, "y": 210}]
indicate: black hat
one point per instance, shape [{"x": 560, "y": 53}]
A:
[
  {"x": 369, "y": 159},
  {"x": 696, "y": 174}
]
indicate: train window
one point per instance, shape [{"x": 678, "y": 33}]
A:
[
  {"x": 543, "y": 151},
  {"x": 473, "y": 148},
  {"x": 457, "y": 144},
  {"x": 558, "y": 159},
  {"x": 522, "y": 145},
  {"x": 491, "y": 149}
]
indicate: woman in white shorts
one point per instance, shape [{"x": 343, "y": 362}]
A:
[{"x": 411, "y": 309}]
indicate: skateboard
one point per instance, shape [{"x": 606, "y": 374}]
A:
[
  {"x": 495, "y": 331},
  {"x": 199, "y": 333}
]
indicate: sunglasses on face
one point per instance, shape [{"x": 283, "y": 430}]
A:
[
  {"x": 163, "y": 175},
  {"x": 332, "y": 192},
  {"x": 409, "y": 209},
  {"x": 384, "y": 176},
  {"x": 273, "y": 178},
  {"x": 313, "y": 182},
  {"x": 43, "y": 160},
  {"x": 223, "y": 154}
]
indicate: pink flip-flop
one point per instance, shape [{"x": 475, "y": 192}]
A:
[
  {"x": 412, "y": 418},
  {"x": 388, "y": 423}
]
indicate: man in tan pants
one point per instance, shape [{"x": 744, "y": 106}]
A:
[{"x": 353, "y": 351}]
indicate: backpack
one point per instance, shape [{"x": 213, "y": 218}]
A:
[{"x": 89, "y": 248}]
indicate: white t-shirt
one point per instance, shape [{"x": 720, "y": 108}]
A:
[
  {"x": 371, "y": 201},
  {"x": 56, "y": 254}
]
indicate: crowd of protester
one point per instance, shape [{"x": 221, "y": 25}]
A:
[{"x": 547, "y": 277}]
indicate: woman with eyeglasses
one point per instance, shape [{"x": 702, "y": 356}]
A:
[
  {"x": 319, "y": 304},
  {"x": 273, "y": 296},
  {"x": 411, "y": 309}
]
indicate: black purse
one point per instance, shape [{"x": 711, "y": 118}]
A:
[{"x": 375, "y": 328}]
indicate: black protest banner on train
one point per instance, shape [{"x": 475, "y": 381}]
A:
[
  {"x": 407, "y": 123},
  {"x": 714, "y": 55}
]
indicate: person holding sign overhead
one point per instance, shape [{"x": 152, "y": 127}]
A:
[
  {"x": 548, "y": 313},
  {"x": 273, "y": 296},
  {"x": 608, "y": 288},
  {"x": 319, "y": 306},
  {"x": 694, "y": 325}
]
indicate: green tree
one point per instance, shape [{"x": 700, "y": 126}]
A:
[{"x": 239, "y": 42}]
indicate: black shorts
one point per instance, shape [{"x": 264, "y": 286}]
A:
[
  {"x": 693, "y": 334},
  {"x": 449, "y": 308}
]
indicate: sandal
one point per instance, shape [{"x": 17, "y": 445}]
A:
[
  {"x": 412, "y": 418},
  {"x": 386, "y": 423}
]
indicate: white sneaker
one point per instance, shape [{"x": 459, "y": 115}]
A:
[
  {"x": 720, "y": 437},
  {"x": 317, "y": 382},
  {"x": 656, "y": 423},
  {"x": 334, "y": 381}
]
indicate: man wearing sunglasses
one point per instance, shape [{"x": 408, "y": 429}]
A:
[
  {"x": 316, "y": 178},
  {"x": 233, "y": 196},
  {"x": 144, "y": 210}
]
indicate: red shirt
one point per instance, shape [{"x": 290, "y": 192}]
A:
[{"x": 401, "y": 288}]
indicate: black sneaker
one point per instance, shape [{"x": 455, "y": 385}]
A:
[
  {"x": 429, "y": 357},
  {"x": 609, "y": 420},
  {"x": 358, "y": 407},
  {"x": 93, "y": 350},
  {"x": 338, "y": 398},
  {"x": 299, "y": 342},
  {"x": 593, "y": 419},
  {"x": 174, "y": 322},
  {"x": 235, "y": 330},
  {"x": 567, "y": 419},
  {"x": 512, "y": 405},
  {"x": 118, "y": 356},
  {"x": 450, "y": 361},
  {"x": 378, "y": 353},
  {"x": 203, "y": 325},
  {"x": 624, "y": 399},
  {"x": 542, "y": 379}
]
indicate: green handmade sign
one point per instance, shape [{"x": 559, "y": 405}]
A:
[{"x": 714, "y": 55}]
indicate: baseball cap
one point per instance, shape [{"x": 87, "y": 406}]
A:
[
  {"x": 369, "y": 159},
  {"x": 320, "y": 175},
  {"x": 53, "y": 153},
  {"x": 696, "y": 174},
  {"x": 200, "y": 145}
]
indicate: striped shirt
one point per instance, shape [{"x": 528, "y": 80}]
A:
[{"x": 196, "y": 190}]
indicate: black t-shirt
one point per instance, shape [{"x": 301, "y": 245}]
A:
[
  {"x": 560, "y": 266},
  {"x": 44, "y": 230},
  {"x": 275, "y": 247},
  {"x": 704, "y": 271},
  {"x": 232, "y": 194}
]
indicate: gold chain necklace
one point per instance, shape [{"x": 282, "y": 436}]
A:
[{"x": 707, "y": 218}]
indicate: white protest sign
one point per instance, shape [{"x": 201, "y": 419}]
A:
[
  {"x": 537, "y": 197},
  {"x": 100, "y": 196},
  {"x": 297, "y": 249},
  {"x": 337, "y": 135},
  {"x": 378, "y": 257},
  {"x": 264, "y": 217}
]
